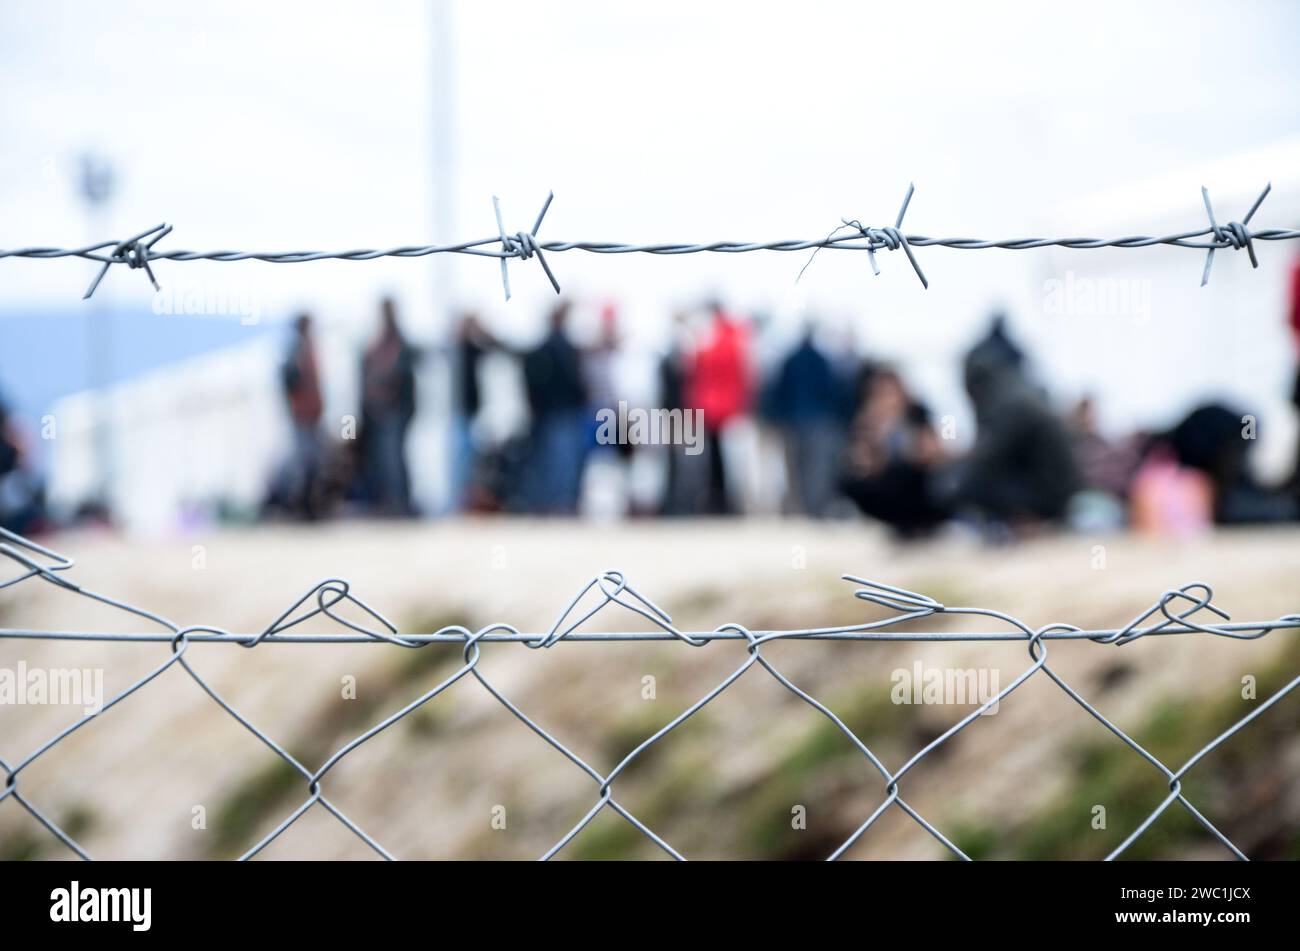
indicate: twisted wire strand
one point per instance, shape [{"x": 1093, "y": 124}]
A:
[
  {"x": 139, "y": 251},
  {"x": 1177, "y": 610}
]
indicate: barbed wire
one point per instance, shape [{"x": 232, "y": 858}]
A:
[
  {"x": 138, "y": 251},
  {"x": 1175, "y": 612}
]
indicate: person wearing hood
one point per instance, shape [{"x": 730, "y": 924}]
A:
[{"x": 1021, "y": 468}]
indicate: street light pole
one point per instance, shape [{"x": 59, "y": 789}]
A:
[
  {"x": 95, "y": 186},
  {"x": 440, "y": 367}
]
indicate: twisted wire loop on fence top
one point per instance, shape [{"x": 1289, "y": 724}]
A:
[
  {"x": 1175, "y": 612},
  {"x": 138, "y": 251}
]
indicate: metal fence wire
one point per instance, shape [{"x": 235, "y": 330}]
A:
[
  {"x": 1185, "y": 611},
  {"x": 138, "y": 251}
]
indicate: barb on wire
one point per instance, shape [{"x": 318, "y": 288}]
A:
[
  {"x": 1181, "y": 612},
  {"x": 522, "y": 245},
  {"x": 878, "y": 238},
  {"x": 136, "y": 252},
  {"x": 1234, "y": 234}
]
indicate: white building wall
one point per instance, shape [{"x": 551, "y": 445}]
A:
[{"x": 207, "y": 430}]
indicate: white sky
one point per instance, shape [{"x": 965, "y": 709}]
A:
[{"x": 296, "y": 125}]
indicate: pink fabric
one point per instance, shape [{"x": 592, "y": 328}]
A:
[{"x": 1169, "y": 499}]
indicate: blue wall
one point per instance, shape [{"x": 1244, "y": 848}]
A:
[{"x": 44, "y": 355}]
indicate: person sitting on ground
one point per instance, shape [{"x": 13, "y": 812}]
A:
[{"x": 891, "y": 455}]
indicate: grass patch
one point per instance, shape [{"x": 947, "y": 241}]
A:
[
  {"x": 823, "y": 760},
  {"x": 28, "y": 844},
  {"x": 1226, "y": 787},
  {"x": 278, "y": 786}
]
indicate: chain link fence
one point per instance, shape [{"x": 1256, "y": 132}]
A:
[{"x": 1186, "y": 611}]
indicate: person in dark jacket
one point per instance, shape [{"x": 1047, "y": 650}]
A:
[
  {"x": 300, "y": 375},
  {"x": 806, "y": 401},
  {"x": 892, "y": 454},
  {"x": 557, "y": 399},
  {"x": 474, "y": 342},
  {"x": 1211, "y": 439},
  {"x": 387, "y": 407},
  {"x": 1022, "y": 467},
  {"x": 678, "y": 496}
]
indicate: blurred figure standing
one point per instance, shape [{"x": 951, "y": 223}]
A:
[
  {"x": 1022, "y": 468},
  {"x": 600, "y": 363},
  {"x": 473, "y": 343},
  {"x": 300, "y": 375},
  {"x": 807, "y": 405},
  {"x": 606, "y": 373},
  {"x": 1104, "y": 465},
  {"x": 677, "y": 495},
  {"x": 719, "y": 382},
  {"x": 557, "y": 398},
  {"x": 387, "y": 407},
  {"x": 1106, "y": 469}
]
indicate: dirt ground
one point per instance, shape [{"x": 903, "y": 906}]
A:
[{"x": 167, "y": 773}]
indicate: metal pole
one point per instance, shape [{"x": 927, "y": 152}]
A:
[
  {"x": 438, "y": 381},
  {"x": 95, "y": 185}
]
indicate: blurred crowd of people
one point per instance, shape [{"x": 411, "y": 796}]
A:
[
  {"x": 853, "y": 435},
  {"x": 831, "y": 433},
  {"x": 367, "y": 462}
]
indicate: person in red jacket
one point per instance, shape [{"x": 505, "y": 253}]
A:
[{"x": 719, "y": 383}]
